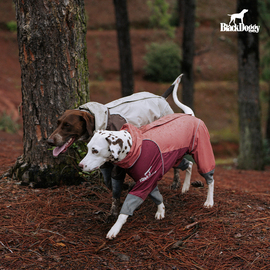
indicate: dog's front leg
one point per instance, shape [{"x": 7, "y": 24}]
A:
[
  {"x": 160, "y": 214},
  {"x": 129, "y": 206},
  {"x": 122, "y": 218},
  {"x": 156, "y": 196}
]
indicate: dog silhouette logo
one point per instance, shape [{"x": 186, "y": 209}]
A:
[
  {"x": 241, "y": 27},
  {"x": 238, "y": 16}
]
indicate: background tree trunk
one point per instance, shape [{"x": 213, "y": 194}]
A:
[
  {"x": 250, "y": 142},
  {"x": 54, "y": 77},
  {"x": 188, "y": 52},
  {"x": 267, "y": 132},
  {"x": 125, "y": 55},
  {"x": 181, "y": 11}
]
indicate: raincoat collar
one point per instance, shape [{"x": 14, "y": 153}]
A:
[
  {"x": 100, "y": 112},
  {"x": 135, "y": 150}
]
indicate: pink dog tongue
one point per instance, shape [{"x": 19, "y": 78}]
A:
[{"x": 61, "y": 149}]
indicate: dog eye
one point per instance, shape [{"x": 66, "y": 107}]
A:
[
  {"x": 66, "y": 124},
  {"x": 94, "y": 151}
]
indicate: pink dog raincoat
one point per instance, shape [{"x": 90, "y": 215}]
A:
[{"x": 161, "y": 145}]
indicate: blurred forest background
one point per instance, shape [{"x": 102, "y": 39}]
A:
[{"x": 215, "y": 63}]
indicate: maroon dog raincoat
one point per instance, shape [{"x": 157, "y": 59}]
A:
[{"x": 161, "y": 145}]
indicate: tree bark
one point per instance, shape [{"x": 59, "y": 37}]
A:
[
  {"x": 250, "y": 141},
  {"x": 54, "y": 77},
  {"x": 181, "y": 11},
  {"x": 125, "y": 55},
  {"x": 267, "y": 132},
  {"x": 188, "y": 52}
]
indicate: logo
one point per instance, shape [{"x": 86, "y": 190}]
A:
[
  {"x": 241, "y": 27},
  {"x": 147, "y": 175}
]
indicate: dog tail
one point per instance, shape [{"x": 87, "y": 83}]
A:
[
  {"x": 183, "y": 107},
  {"x": 170, "y": 89}
]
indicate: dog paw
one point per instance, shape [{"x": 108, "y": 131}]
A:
[
  {"x": 113, "y": 232},
  {"x": 208, "y": 204},
  {"x": 197, "y": 184},
  {"x": 122, "y": 218},
  {"x": 185, "y": 188},
  {"x": 160, "y": 214}
]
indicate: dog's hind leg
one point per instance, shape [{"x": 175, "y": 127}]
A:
[
  {"x": 184, "y": 164},
  {"x": 176, "y": 179},
  {"x": 210, "y": 194},
  {"x": 186, "y": 184}
]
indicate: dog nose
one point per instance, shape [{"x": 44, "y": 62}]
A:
[
  {"x": 81, "y": 165},
  {"x": 50, "y": 141}
]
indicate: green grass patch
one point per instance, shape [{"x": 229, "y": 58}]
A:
[{"x": 8, "y": 125}]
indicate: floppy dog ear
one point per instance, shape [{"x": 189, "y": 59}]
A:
[
  {"x": 115, "y": 147},
  {"x": 90, "y": 123}
]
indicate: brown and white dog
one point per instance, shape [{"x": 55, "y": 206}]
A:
[{"x": 138, "y": 109}]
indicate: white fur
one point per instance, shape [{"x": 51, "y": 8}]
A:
[
  {"x": 186, "y": 184},
  {"x": 101, "y": 149},
  {"x": 122, "y": 218},
  {"x": 210, "y": 200},
  {"x": 160, "y": 214},
  {"x": 185, "y": 108},
  {"x": 210, "y": 194}
]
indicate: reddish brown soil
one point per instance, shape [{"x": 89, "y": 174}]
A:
[{"x": 65, "y": 227}]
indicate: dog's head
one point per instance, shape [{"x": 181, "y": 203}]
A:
[
  {"x": 245, "y": 10},
  {"x": 71, "y": 126},
  {"x": 106, "y": 146}
]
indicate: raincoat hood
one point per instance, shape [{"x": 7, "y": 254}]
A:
[{"x": 138, "y": 109}]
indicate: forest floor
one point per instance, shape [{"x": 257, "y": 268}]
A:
[{"x": 64, "y": 227}]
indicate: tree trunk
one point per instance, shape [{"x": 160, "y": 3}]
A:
[
  {"x": 250, "y": 142},
  {"x": 181, "y": 11},
  {"x": 125, "y": 55},
  {"x": 267, "y": 133},
  {"x": 188, "y": 52},
  {"x": 54, "y": 76}
]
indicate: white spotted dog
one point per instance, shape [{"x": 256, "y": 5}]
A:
[{"x": 147, "y": 153}]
